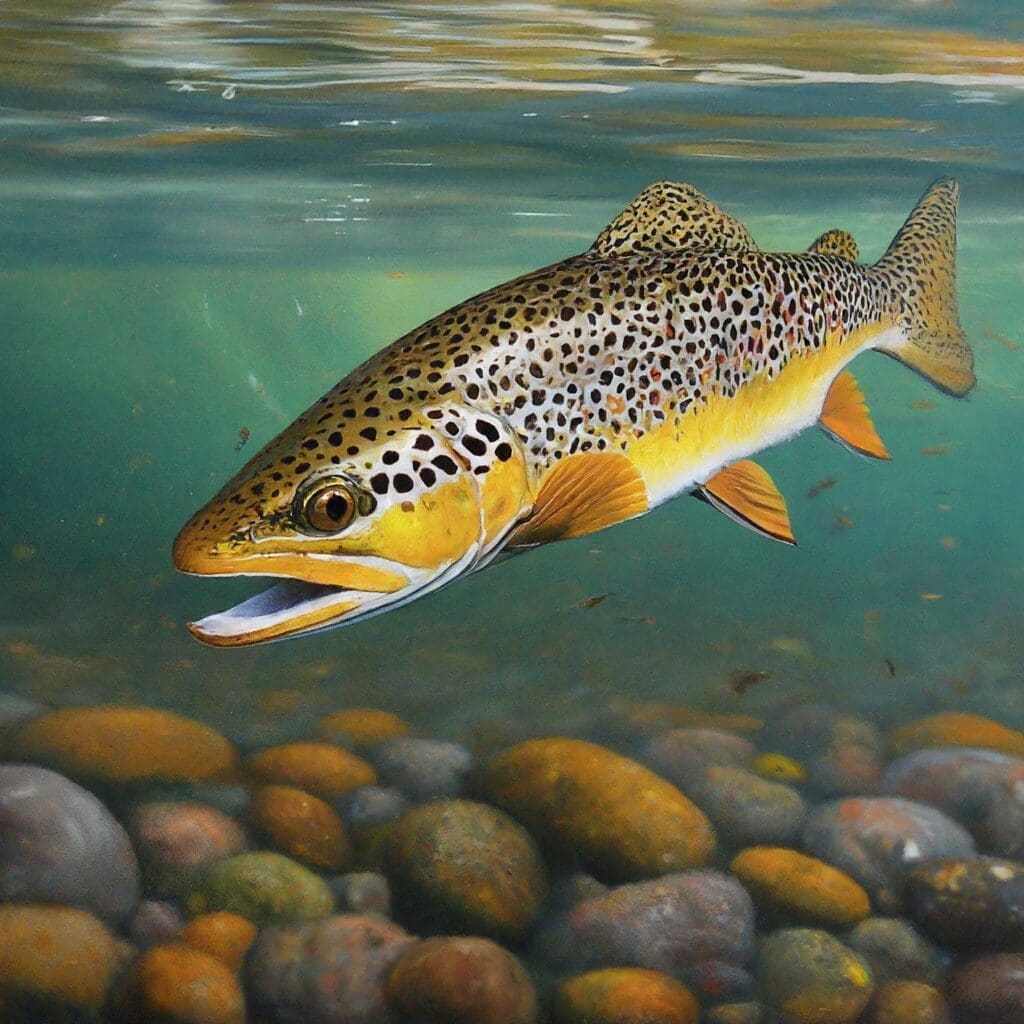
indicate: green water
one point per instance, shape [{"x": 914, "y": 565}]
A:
[{"x": 212, "y": 211}]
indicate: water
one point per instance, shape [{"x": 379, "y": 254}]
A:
[{"x": 211, "y": 212}]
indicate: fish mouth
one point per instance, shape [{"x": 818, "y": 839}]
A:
[{"x": 296, "y": 607}]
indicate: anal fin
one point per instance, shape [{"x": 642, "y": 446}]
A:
[
  {"x": 581, "y": 494},
  {"x": 748, "y": 495},
  {"x": 846, "y": 418}
]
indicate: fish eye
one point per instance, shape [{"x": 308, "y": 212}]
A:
[{"x": 330, "y": 508}]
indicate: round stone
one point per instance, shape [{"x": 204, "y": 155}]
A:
[
  {"x": 221, "y": 934},
  {"x": 909, "y": 1002},
  {"x": 624, "y": 995},
  {"x": 301, "y": 826},
  {"x": 989, "y": 990},
  {"x": 422, "y": 769},
  {"x": 956, "y": 729},
  {"x": 896, "y": 951},
  {"x": 324, "y": 770},
  {"x": 361, "y": 727},
  {"x": 681, "y": 755}
]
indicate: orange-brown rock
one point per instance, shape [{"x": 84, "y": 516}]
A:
[
  {"x": 118, "y": 744},
  {"x": 301, "y": 825},
  {"x": 362, "y": 726},
  {"x": 222, "y": 934},
  {"x": 179, "y": 985},
  {"x": 322, "y": 769},
  {"x": 799, "y": 888},
  {"x": 625, "y": 995},
  {"x": 956, "y": 729},
  {"x": 585, "y": 801}
]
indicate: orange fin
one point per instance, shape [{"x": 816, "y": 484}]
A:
[
  {"x": 845, "y": 417},
  {"x": 582, "y": 494},
  {"x": 746, "y": 493}
]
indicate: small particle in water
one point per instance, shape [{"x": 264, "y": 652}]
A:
[
  {"x": 791, "y": 645},
  {"x": 649, "y": 619},
  {"x": 842, "y": 522},
  {"x": 742, "y": 680},
  {"x": 243, "y": 438},
  {"x": 1002, "y": 339},
  {"x": 256, "y": 384},
  {"x": 821, "y": 485},
  {"x": 890, "y": 666},
  {"x": 949, "y": 542},
  {"x": 922, "y": 405},
  {"x": 943, "y": 508},
  {"x": 136, "y": 408},
  {"x": 95, "y": 119},
  {"x": 532, "y": 113},
  {"x": 396, "y": 275},
  {"x": 592, "y": 602},
  {"x": 138, "y": 461},
  {"x": 936, "y": 449},
  {"x": 931, "y": 597},
  {"x": 22, "y": 552},
  {"x": 101, "y": 519},
  {"x": 228, "y": 93},
  {"x": 298, "y": 308}
]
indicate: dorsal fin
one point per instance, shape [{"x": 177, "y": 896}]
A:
[
  {"x": 837, "y": 243},
  {"x": 845, "y": 417},
  {"x": 748, "y": 495},
  {"x": 671, "y": 215},
  {"x": 582, "y": 494}
]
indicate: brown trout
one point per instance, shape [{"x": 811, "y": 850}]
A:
[{"x": 574, "y": 398}]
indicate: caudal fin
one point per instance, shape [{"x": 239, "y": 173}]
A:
[{"x": 920, "y": 269}]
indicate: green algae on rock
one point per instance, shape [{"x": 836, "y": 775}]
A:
[
  {"x": 458, "y": 865},
  {"x": 266, "y": 888},
  {"x": 623, "y": 821}
]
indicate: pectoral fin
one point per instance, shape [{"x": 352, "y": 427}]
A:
[
  {"x": 582, "y": 494},
  {"x": 845, "y": 417},
  {"x": 747, "y": 494}
]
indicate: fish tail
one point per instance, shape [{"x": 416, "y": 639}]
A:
[{"x": 919, "y": 267}]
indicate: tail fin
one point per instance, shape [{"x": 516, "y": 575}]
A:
[{"x": 920, "y": 268}]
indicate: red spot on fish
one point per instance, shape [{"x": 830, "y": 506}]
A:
[
  {"x": 655, "y": 374},
  {"x": 670, "y": 331},
  {"x": 655, "y": 398}
]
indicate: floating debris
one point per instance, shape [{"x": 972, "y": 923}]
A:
[
  {"x": 592, "y": 602},
  {"x": 822, "y": 485},
  {"x": 842, "y": 522},
  {"x": 243, "y": 438},
  {"x": 949, "y": 542},
  {"x": 791, "y": 645},
  {"x": 890, "y": 666},
  {"x": 922, "y": 405},
  {"x": 22, "y": 552},
  {"x": 649, "y": 619},
  {"x": 1001, "y": 339},
  {"x": 742, "y": 680},
  {"x": 937, "y": 449},
  {"x": 931, "y": 597}
]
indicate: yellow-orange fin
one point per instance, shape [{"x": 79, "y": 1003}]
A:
[
  {"x": 845, "y": 416},
  {"x": 747, "y": 494},
  {"x": 582, "y": 494}
]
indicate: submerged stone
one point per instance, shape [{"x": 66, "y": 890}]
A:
[
  {"x": 895, "y": 950},
  {"x": 324, "y": 770},
  {"x": 624, "y": 995},
  {"x": 957, "y": 729},
  {"x": 301, "y": 826}
]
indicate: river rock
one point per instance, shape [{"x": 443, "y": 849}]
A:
[
  {"x": 155, "y": 923},
  {"x": 301, "y": 826},
  {"x": 735, "y": 1013},
  {"x": 422, "y": 769},
  {"x": 973, "y": 904},
  {"x": 875, "y": 839},
  {"x": 371, "y": 805},
  {"x": 810, "y": 977},
  {"x": 16, "y": 710},
  {"x": 59, "y": 844},
  {"x": 620, "y": 819},
  {"x": 222, "y": 934},
  {"x": 461, "y": 866},
  {"x": 178, "y": 841},
  {"x": 681, "y": 755},
  {"x": 989, "y": 990},
  {"x": 114, "y": 744},
  {"x": 793, "y": 886},
  {"x": 361, "y": 727},
  {"x": 362, "y": 892},
  {"x": 747, "y": 809},
  {"x": 55, "y": 963},
  {"x": 842, "y": 752},
  {"x": 461, "y": 981},
  {"x": 327, "y": 972},
  {"x": 266, "y": 888},
  {"x": 692, "y": 925},
  {"x": 175, "y": 984},
  {"x": 624, "y": 995},
  {"x": 981, "y": 789},
  {"x": 896, "y": 951},
  {"x": 324, "y": 770},
  {"x": 956, "y": 729},
  {"x": 909, "y": 1002}
]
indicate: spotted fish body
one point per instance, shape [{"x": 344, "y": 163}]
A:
[{"x": 573, "y": 398}]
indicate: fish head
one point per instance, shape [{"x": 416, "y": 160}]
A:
[{"x": 357, "y": 515}]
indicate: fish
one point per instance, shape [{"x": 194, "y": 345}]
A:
[
  {"x": 592, "y": 602},
  {"x": 574, "y": 398},
  {"x": 742, "y": 680},
  {"x": 821, "y": 485}
]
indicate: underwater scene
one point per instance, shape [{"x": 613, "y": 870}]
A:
[{"x": 753, "y": 759}]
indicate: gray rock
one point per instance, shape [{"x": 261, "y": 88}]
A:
[
  {"x": 370, "y": 805},
  {"x": 59, "y": 844},
  {"x": 361, "y": 892},
  {"x": 746, "y": 809},
  {"x": 877, "y": 839},
  {"x": 682, "y": 755},
  {"x": 15, "y": 709},
  {"x": 330, "y": 971},
  {"x": 981, "y": 789},
  {"x": 693, "y": 925},
  {"x": 422, "y": 769},
  {"x": 155, "y": 922},
  {"x": 896, "y": 951},
  {"x": 229, "y": 799}
]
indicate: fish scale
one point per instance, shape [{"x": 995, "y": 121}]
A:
[{"x": 573, "y": 398}]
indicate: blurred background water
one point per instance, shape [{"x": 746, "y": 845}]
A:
[{"x": 211, "y": 211}]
